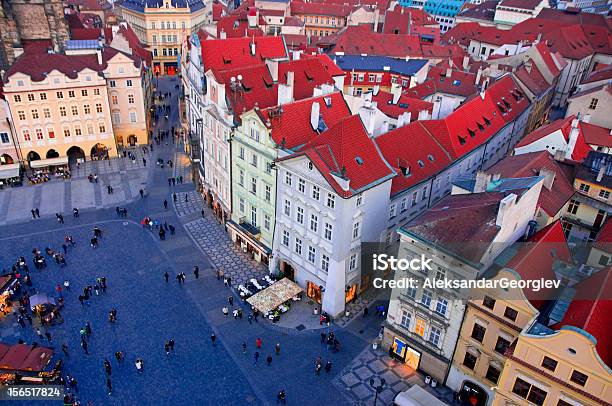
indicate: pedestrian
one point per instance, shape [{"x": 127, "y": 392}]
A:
[
  {"x": 39, "y": 334},
  {"x": 141, "y": 193},
  {"x": 244, "y": 347},
  {"x": 144, "y": 161},
  {"x": 171, "y": 344},
  {"x": 323, "y": 337},
  {"x": 107, "y": 367},
  {"x": 84, "y": 345},
  {"x": 139, "y": 365},
  {"x": 365, "y": 312},
  {"x": 33, "y": 213},
  {"x": 65, "y": 248},
  {"x": 178, "y": 278},
  {"x": 73, "y": 383},
  {"x": 65, "y": 349},
  {"x": 213, "y": 339},
  {"x": 88, "y": 329},
  {"x": 119, "y": 356},
  {"x": 281, "y": 397},
  {"x": 196, "y": 272},
  {"x": 162, "y": 234},
  {"x": 167, "y": 348},
  {"x": 258, "y": 343},
  {"x": 75, "y": 212},
  {"x": 328, "y": 366},
  {"x": 109, "y": 385},
  {"x": 277, "y": 348},
  {"x": 169, "y": 181},
  {"x": 171, "y": 228},
  {"x": 229, "y": 281},
  {"x": 81, "y": 299},
  {"x": 202, "y": 213},
  {"x": 269, "y": 360},
  {"x": 174, "y": 197},
  {"x": 37, "y": 212},
  {"x": 165, "y": 205},
  {"x": 255, "y": 357},
  {"x": 166, "y": 276},
  {"x": 318, "y": 366},
  {"x": 235, "y": 313},
  {"x": 186, "y": 198},
  {"x": 230, "y": 300},
  {"x": 225, "y": 311}
]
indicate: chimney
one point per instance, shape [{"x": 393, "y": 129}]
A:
[
  {"x": 403, "y": 119},
  {"x": 285, "y": 91},
  {"x": 314, "y": 115},
  {"x": 482, "y": 181},
  {"x": 296, "y": 55},
  {"x": 504, "y": 209},
  {"x": 424, "y": 115},
  {"x": 376, "y": 17},
  {"x": 99, "y": 55},
  {"x": 528, "y": 65},
  {"x": 466, "y": 62},
  {"x": 252, "y": 18},
  {"x": 375, "y": 90},
  {"x": 549, "y": 177},
  {"x": 222, "y": 34},
  {"x": 368, "y": 118},
  {"x": 449, "y": 72},
  {"x": 253, "y": 48},
  {"x": 272, "y": 65},
  {"x": 586, "y": 118},
  {"x": 559, "y": 155},
  {"x": 478, "y": 76},
  {"x": 573, "y": 138},
  {"x": 601, "y": 173},
  {"x": 396, "y": 91}
]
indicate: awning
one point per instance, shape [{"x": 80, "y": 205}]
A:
[
  {"x": 40, "y": 299},
  {"x": 417, "y": 396},
  {"x": 9, "y": 171},
  {"x": 274, "y": 295},
  {"x": 240, "y": 230},
  {"x": 41, "y": 163},
  {"x": 22, "y": 357}
]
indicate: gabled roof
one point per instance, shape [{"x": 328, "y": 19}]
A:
[
  {"x": 404, "y": 104},
  {"x": 536, "y": 256},
  {"x": 607, "y": 87},
  {"x": 232, "y": 53},
  {"x": 604, "y": 237},
  {"x": 413, "y": 153},
  {"x": 551, "y": 200},
  {"x": 463, "y": 224},
  {"x": 459, "y": 83},
  {"x": 38, "y": 65},
  {"x": 236, "y": 25},
  {"x": 604, "y": 73},
  {"x": 593, "y": 315},
  {"x": 596, "y": 135},
  {"x": 564, "y": 125},
  {"x": 533, "y": 79},
  {"x": 346, "y": 151},
  {"x": 327, "y": 63},
  {"x": 321, "y": 9},
  {"x": 484, "y": 11},
  {"x": 401, "y": 19},
  {"x": 375, "y": 63},
  {"x": 290, "y": 123},
  {"x": 308, "y": 74},
  {"x": 522, "y": 4}
]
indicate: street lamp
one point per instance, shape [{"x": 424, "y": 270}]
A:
[{"x": 377, "y": 388}]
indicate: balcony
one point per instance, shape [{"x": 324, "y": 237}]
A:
[{"x": 248, "y": 227}]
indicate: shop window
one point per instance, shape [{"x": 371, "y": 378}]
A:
[
  {"x": 493, "y": 374},
  {"x": 528, "y": 391},
  {"x": 469, "y": 360},
  {"x": 419, "y": 327}
]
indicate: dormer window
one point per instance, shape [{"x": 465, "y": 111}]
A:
[
  {"x": 405, "y": 170},
  {"x": 421, "y": 164},
  {"x": 472, "y": 133},
  {"x": 461, "y": 140},
  {"x": 487, "y": 121},
  {"x": 430, "y": 157},
  {"x": 506, "y": 103},
  {"x": 480, "y": 126},
  {"x": 359, "y": 160}
]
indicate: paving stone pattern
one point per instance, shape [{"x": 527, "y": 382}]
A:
[{"x": 193, "y": 204}]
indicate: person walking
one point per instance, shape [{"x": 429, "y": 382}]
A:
[
  {"x": 75, "y": 212},
  {"x": 323, "y": 337},
  {"x": 167, "y": 348},
  {"x": 230, "y": 300},
  {"x": 165, "y": 205},
  {"x": 281, "y": 397},
  {"x": 277, "y": 348},
  {"x": 33, "y": 213},
  {"x": 244, "y": 347},
  {"x": 250, "y": 318},
  {"x": 109, "y": 385},
  {"x": 171, "y": 344},
  {"x": 213, "y": 339},
  {"x": 141, "y": 193},
  {"x": 328, "y": 366},
  {"x": 119, "y": 356},
  {"x": 107, "y": 367},
  {"x": 37, "y": 212},
  {"x": 65, "y": 349},
  {"x": 196, "y": 272},
  {"x": 87, "y": 329},
  {"x": 255, "y": 357},
  {"x": 258, "y": 343},
  {"x": 174, "y": 197},
  {"x": 225, "y": 311},
  {"x": 269, "y": 360},
  {"x": 166, "y": 276},
  {"x": 139, "y": 365},
  {"x": 318, "y": 366}
]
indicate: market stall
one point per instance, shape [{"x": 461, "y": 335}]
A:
[
  {"x": 22, "y": 363},
  {"x": 45, "y": 169},
  {"x": 10, "y": 175},
  {"x": 43, "y": 306},
  {"x": 275, "y": 296},
  {"x": 6, "y": 306}
]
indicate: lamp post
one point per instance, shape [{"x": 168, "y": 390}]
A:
[{"x": 377, "y": 388}]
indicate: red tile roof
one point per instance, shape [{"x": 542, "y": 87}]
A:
[
  {"x": 604, "y": 237},
  {"x": 596, "y": 135},
  {"x": 564, "y": 125},
  {"x": 308, "y": 74},
  {"x": 232, "y": 53},
  {"x": 526, "y": 165},
  {"x": 322, "y": 9},
  {"x": 414, "y": 155},
  {"x": 398, "y": 20},
  {"x": 137, "y": 47},
  {"x": 38, "y": 65},
  {"x": 554, "y": 61},
  {"x": 604, "y": 73},
  {"x": 257, "y": 88},
  {"x": 460, "y": 83},
  {"x": 535, "y": 259},
  {"x": 235, "y": 26},
  {"x": 568, "y": 17},
  {"x": 218, "y": 11},
  {"x": 346, "y": 150},
  {"x": 591, "y": 311},
  {"x": 522, "y": 4},
  {"x": 532, "y": 79},
  {"x": 290, "y": 123},
  {"x": 332, "y": 68},
  {"x": 405, "y": 104}
]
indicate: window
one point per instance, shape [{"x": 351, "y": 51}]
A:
[
  {"x": 359, "y": 201},
  {"x": 84, "y": 92},
  {"x": 241, "y": 178},
  {"x": 90, "y": 130},
  {"x": 549, "y": 364},
  {"x": 434, "y": 336},
  {"x": 469, "y": 360},
  {"x": 298, "y": 246},
  {"x": 131, "y": 98},
  {"x": 300, "y": 215},
  {"x": 39, "y": 134},
  {"x": 584, "y": 187},
  {"x": 50, "y": 133},
  {"x": 66, "y": 132},
  {"x": 132, "y": 116},
  {"x": 579, "y": 378},
  {"x": 356, "y": 229},
  {"x": 254, "y": 215},
  {"x": 254, "y": 186},
  {"x": 71, "y": 93},
  {"x": 98, "y": 107},
  {"x": 96, "y": 92},
  {"x": 242, "y": 205},
  {"x": 405, "y": 319},
  {"x": 328, "y": 231},
  {"x": 268, "y": 168},
  {"x": 74, "y": 110},
  {"x": 114, "y": 99},
  {"x": 4, "y": 138},
  {"x": 102, "y": 128},
  {"x": 116, "y": 117},
  {"x": 604, "y": 193},
  {"x": 22, "y": 115},
  {"x": 254, "y": 160},
  {"x": 419, "y": 327},
  {"x": 35, "y": 114},
  {"x": 488, "y": 302},
  {"x": 440, "y": 274},
  {"x": 426, "y": 298},
  {"x": 46, "y": 113},
  {"x": 285, "y": 238},
  {"x": 301, "y": 185},
  {"x": 267, "y": 221},
  {"x": 241, "y": 153},
  {"x": 603, "y": 260},
  {"x": 287, "y": 208},
  {"x": 26, "y": 135},
  {"x": 314, "y": 223},
  {"x": 478, "y": 332},
  {"x": 331, "y": 201},
  {"x": 60, "y": 95},
  {"x": 112, "y": 83},
  {"x": 527, "y": 391},
  {"x": 30, "y": 97},
  {"x": 593, "y": 104},
  {"x": 128, "y": 83},
  {"x": 288, "y": 178},
  {"x": 493, "y": 374},
  {"x": 441, "y": 306},
  {"x": 17, "y": 98},
  {"x": 510, "y": 313},
  {"x": 353, "y": 262},
  {"x": 77, "y": 130},
  {"x": 414, "y": 199},
  {"x": 268, "y": 193},
  {"x": 87, "y": 109},
  {"x": 502, "y": 345},
  {"x": 392, "y": 211},
  {"x": 315, "y": 192},
  {"x": 324, "y": 262},
  {"x": 424, "y": 193},
  {"x": 312, "y": 252}
]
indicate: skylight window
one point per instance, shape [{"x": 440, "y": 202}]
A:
[
  {"x": 421, "y": 164},
  {"x": 359, "y": 160},
  {"x": 472, "y": 133},
  {"x": 430, "y": 157},
  {"x": 456, "y": 83},
  {"x": 461, "y": 140}
]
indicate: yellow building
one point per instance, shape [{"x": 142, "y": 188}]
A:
[
  {"x": 162, "y": 25},
  {"x": 59, "y": 105},
  {"x": 565, "y": 362}
]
